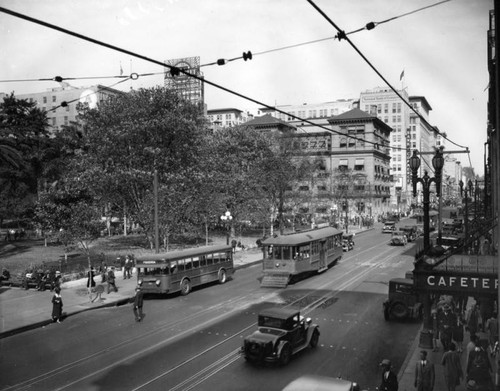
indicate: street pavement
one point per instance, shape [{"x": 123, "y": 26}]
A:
[{"x": 22, "y": 310}]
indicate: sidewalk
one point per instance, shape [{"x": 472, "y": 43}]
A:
[{"x": 22, "y": 310}]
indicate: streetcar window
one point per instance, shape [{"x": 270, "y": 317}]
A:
[
  {"x": 304, "y": 251},
  {"x": 277, "y": 252},
  {"x": 287, "y": 254},
  {"x": 164, "y": 270}
]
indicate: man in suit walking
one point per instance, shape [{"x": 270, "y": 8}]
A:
[
  {"x": 424, "y": 373},
  {"x": 138, "y": 302},
  {"x": 389, "y": 378}
]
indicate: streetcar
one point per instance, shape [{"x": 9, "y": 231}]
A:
[
  {"x": 297, "y": 254},
  {"x": 180, "y": 271}
]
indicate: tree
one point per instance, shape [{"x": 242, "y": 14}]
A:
[
  {"x": 126, "y": 139},
  {"x": 24, "y": 136},
  {"x": 72, "y": 215}
]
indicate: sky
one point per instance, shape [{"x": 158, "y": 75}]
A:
[{"x": 442, "y": 50}]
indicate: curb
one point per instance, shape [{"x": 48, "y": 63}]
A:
[{"x": 43, "y": 323}]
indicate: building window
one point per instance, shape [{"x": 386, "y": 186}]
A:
[
  {"x": 66, "y": 120},
  {"x": 321, "y": 187},
  {"x": 359, "y": 165},
  {"x": 54, "y": 122},
  {"x": 343, "y": 143},
  {"x": 54, "y": 98},
  {"x": 44, "y": 99},
  {"x": 343, "y": 164},
  {"x": 386, "y": 108},
  {"x": 219, "y": 117},
  {"x": 304, "y": 188}
]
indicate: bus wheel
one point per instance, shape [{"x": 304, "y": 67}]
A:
[
  {"x": 185, "y": 287},
  {"x": 222, "y": 276}
]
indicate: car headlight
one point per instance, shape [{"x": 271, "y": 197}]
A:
[
  {"x": 157, "y": 282},
  {"x": 139, "y": 282},
  {"x": 277, "y": 264}
]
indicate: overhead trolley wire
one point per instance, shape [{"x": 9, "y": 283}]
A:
[
  {"x": 245, "y": 56},
  {"x": 177, "y": 70},
  {"x": 342, "y": 35}
]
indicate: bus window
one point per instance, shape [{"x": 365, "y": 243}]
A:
[
  {"x": 173, "y": 267},
  {"x": 287, "y": 254},
  {"x": 188, "y": 265},
  {"x": 203, "y": 261},
  {"x": 164, "y": 270},
  {"x": 196, "y": 263},
  {"x": 180, "y": 265}
]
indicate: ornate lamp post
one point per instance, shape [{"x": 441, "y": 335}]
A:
[
  {"x": 468, "y": 191},
  {"x": 426, "y": 181},
  {"x": 226, "y": 220}
]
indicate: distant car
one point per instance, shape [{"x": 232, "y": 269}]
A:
[
  {"x": 398, "y": 238},
  {"x": 282, "y": 332},
  {"x": 348, "y": 242},
  {"x": 411, "y": 232},
  {"x": 389, "y": 226},
  {"x": 320, "y": 383}
]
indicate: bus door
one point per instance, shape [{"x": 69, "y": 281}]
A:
[{"x": 322, "y": 255}]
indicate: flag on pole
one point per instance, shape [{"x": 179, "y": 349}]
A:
[
  {"x": 121, "y": 69},
  {"x": 402, "y": 75}
]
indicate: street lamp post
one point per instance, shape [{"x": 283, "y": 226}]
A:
[
  {"x": 226, "y": 219},
  {"x": 426, "y": 181},
  {"x": 466, "y": 191}
]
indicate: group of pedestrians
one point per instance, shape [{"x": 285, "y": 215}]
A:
[{"x": 108, "y": 276}]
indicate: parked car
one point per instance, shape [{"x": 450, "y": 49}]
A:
[
  {"x": 321, "y": 383},
  {"x": 403, "y": 301},
  {"x": 398, "y": 238},
  {"x": 389, "y": 226},
  {"x": 281, "y": 333}
]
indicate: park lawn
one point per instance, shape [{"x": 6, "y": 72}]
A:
[{"x": 18, "y": 256}]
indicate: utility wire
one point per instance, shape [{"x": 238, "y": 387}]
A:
[
  {"x": 248, "y": 55},
  {"x": 177, "y": 70},
  {"x": 368, "y": 26},
  {"x": 342, "y": 35}
]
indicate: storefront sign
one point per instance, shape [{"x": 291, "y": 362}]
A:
[{"x": 462, "y": 282}]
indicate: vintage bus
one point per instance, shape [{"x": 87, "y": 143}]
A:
[
  {"x": 180, "y": 271},
  {"x": 295, "y": 254}
]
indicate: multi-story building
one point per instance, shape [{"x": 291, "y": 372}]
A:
[
  {"x": 351, "y": 163},
  {"x": 317, "y": 112},
  {"x": 60, "y": 103},
  {"x": 227, "y": 117},
  {"x": 411, "y": 131}
]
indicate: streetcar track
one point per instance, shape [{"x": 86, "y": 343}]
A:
[
  {"x": 229, "y": 359},
  {"x": 232, "y": 357}
]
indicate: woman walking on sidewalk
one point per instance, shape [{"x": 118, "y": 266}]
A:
[{"x": 57, "y": 305}]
